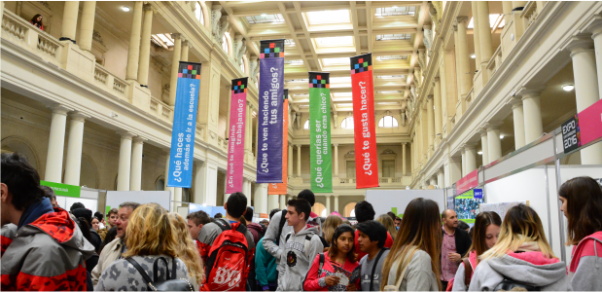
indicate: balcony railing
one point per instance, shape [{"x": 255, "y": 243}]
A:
[
  {"x": 495, "y": 62},
  {"x": 161, "y": 109},
  {"x": 108, "y": 81},
  {"x": 529, "y": 13}
]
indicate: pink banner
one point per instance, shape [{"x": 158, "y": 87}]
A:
[
  {"x": 468, "y": 182},
  {"x": 590, "y": 123},
  {"x": 236, "y": 141}
]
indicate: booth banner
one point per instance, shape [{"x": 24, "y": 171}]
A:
[
  {"x": 468, "y": 182},
  {"x": 280, "y": 188},
  {"x": 467, "y": 205},
  {"x": 271, "y": 83},
  {"x": 319, "y": 132},
  {"x": 184, "y": 125},
  {"x": 396, "y": 201},
  {"x": 63, "y": 190},
  {"x": 366, "y": 160},
  {"x": 236, "y": 140}
]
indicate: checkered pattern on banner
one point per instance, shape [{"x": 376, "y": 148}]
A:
[
  {"x": 319, "y": 80},
  {"x": 271, "y": 49},
  {"x": 189, "y": 70},
  {"x": 239, "y": 85},
  {"x": 361, "y": 63}
]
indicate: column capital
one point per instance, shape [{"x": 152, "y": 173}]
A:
[
  {"x": 404, "y": 143},
  {"x": 461, "y": 19},
  {"x": 468, "y": 146},
  {"x": 335, "y": 145},
  {"x": 126, "y": 134},
  {"x": 239, "y": 37},
  {"x": 436, "y": 79},
  {"x": 216, "y": 7},
  {"x": 430, "y": 96},
  {"x": 595, "y": 26},
  {"x": 483, "y": 131},
  {"x": 185, "y": 42},
  {"x": 493, "y": 125},
  {"x": 139, "y": 140},
  {"x": 147, "y": 7},
  {"x": 60, "y": 109},
  {"x": 515, "y": 102},
  {"x": 580, "y": 43},
  {"x": 78, "y": 116},
  {"x": 298, "y": 145},
  {"x": 176, "y": 36},
  {"x": 531, "y": 91}
]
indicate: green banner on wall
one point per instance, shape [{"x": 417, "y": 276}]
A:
[
  {"x": 319, "y": 132},
  {"x": 63, "y": 190}
]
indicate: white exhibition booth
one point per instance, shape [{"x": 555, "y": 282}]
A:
[{"x": 396, "y": 201}]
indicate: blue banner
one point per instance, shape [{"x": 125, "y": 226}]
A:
[
  {"x": 184, "y": 126},
  {"x": 271, "y": 83}
]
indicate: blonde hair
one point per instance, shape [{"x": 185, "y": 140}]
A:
[
  {"x": 150, "y": 232},
  {"x": 520, "y": 226},
  {"x": 187, "y": 250},
  {"x": 330, "y": 225},
  {"x": 386, "y": 220}
]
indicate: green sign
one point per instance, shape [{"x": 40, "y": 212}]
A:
[
  {"x": 394, "y": 210},
  {"x": 63, "y": 190},
  {"x": 319, "y": 132}
]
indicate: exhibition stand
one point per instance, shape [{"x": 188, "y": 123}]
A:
[{"x": 396, "y": 201}]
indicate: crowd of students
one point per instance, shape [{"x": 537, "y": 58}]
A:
[{"x": 145, "y": 247}]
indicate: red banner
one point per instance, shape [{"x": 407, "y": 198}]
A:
[
  {"x": 366, "y": 162},
  {"x": 468, "y": 182},
  {"x": 280, "y": 188}
]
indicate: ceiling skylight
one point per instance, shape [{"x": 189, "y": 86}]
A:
[
  {"x": 297, "y": 80},
  {"x": 328, "y": 17},
  {"x": 391, "y": 57},
  {"x": 289, "y": 42},
  {"x": 391, "y": 37},
  {"x": 344, "y": 104},
  {"x": 335, "y": 61},
  {"x": 162, "y": 40},
  {"x": 265, "y": 18},
  {"x": 293, "y": 62},
  {"x": 390, "y": 91},
  {"x": 340, "y": 79},
  {"x": 341, "y": 41},
  {"x": 493, "y": 19},
  {"x": 395, "y": 11},
  {"x": 390, "y": 76}
]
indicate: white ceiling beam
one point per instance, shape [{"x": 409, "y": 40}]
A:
[{"x": 288, "y": 21}]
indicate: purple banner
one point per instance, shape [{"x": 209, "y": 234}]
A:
[
  {"x": 271, "y": 83},
  {"x": 236, "y": 141}
]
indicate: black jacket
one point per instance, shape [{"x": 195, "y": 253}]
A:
[{"x": 463, "y": 241}]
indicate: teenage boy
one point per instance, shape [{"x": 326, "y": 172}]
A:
[
  {"x": 371, "y": 239},
  {"x": 364, "y": 212},
  {"x": 49, "y": 251},
  {"x": 235, "y": 208},
  {"x": 196, "y": 221},
  {"x": 275, "y": 244},
  {"x": 301, "y": 246}
]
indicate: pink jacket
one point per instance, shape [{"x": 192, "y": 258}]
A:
[
  {"x": 315, "y": 282},
  {"x": 586, "y": 264}
]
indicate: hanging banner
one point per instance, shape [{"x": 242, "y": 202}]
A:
[
  {"x": 319, "y": 132},
  {"x": 281, "y": 188},
  {"x": 366, "y": 162},
  {"x": 236, "y": 140},
  {"x": 184, "y": 125},
  {"x": 269, "y": 140}
]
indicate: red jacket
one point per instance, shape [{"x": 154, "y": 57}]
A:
[
  {"x": 360, "y": 254},
  {"x": 315, "y": 282},
  {"x": 47, "y": 254}
]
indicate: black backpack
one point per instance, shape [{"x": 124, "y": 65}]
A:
[
  {"x": 171, "y": 284},
  {"x": 511, "y": 285}
]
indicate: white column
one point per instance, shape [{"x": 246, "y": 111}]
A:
[
  {"x": 185, "y": 49},
  {"x": 484, "y": 148},
  {"x": 290, "y": 160},
  {"x": 145, "y": 43},
  {"x": 336, "y": 204},
  {"x": 87, "y": 26},
  {"x": 177, "y": 198},
  {"x": 56, "y": 144},
  {"x": 586, "y": 88},
  {"x": 519, "y": 123},
  {"x": 136, "y": 167},
  {"x": 404, "y": 168},
  {"x": 440, "y": 179},
  {"x": 172, "y": 190},
  {"x": 484, "y": 34},
  {"x": 261, "y": 198},
  {"x": 494, "y": 144},
  {"x": 463, "y": 162},
  {"x": 471, "y": 159},
  {"x": 125, "y": 156},
  {"x": 336, "y": 160},
  {"x": 134, "y": 46},
  {"x": 282, "y": 202},
  {"x": 175, "y": 64},
  {"x": 475, "y": 36},
  {"x": 273, "y": 203},
  {"x": 438, "y": 116},
  {"x": 465, "y": 77},
  {"x": 328, "y": 207},
  {"x": 532, "y": 114},
  {"x": 298, "y": 160},
  {"x": 70, "y": 13},
  {"x": 507, "y": 8},
  {"x": 430, "y": 122},
  {"x": 74, "y": 149}
]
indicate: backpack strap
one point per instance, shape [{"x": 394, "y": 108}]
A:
[
  {"x": 467, "y": 272},
  {"x": 144, "y": 275},
  {"x": 380, "y": 253},
  {"x": 223, "y": 224},
  {"x": 287, "y": 237},
  {"x": 281, "y": 226},
  {"x": 321, "y": 261}
]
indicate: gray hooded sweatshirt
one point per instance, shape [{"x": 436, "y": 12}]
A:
[
  {"x": 530, "y": 268},
  {"x": 298, "y": 254}
]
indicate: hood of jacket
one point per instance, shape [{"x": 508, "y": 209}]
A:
[
  {"x": 308, "y": 230},
  {"x": 60, "y": 226},
  {"x": 35, "y": 211},
  {"x": 255, "y": 226},
  {"x": 531, "y": 268}
]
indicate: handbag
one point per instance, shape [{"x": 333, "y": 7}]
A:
[{"x": 171, "y": 284}]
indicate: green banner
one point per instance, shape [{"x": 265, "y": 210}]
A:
[
  {"x": 63, "y": 190},
  {"x": 319, "y": 132}
]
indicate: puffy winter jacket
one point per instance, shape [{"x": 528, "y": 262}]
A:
[
  {"x": 9, "y": 231},
  {"x": 585, "y": 271},
  {"x": 459, "y": 280},
  {"x": 317, "y": 282},
  {"x": 47, "y": 254}
]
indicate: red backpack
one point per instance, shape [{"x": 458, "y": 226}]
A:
[{"x": 227, "y": 266}]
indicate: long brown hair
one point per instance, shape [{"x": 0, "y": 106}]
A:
[
  {"x": 521, "y": 225},
  {"x": 583, "y": 207},
  {"x": 422, "y": 229},
  {"x": 334, "y": 250},
  {"x": 34, "y": 19},
  {"x": 386, "y": 221},
  {"x": 479, "y": 235},
  {"x": 187, "y": 250},
  {"x": 330, "y": 225}
]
